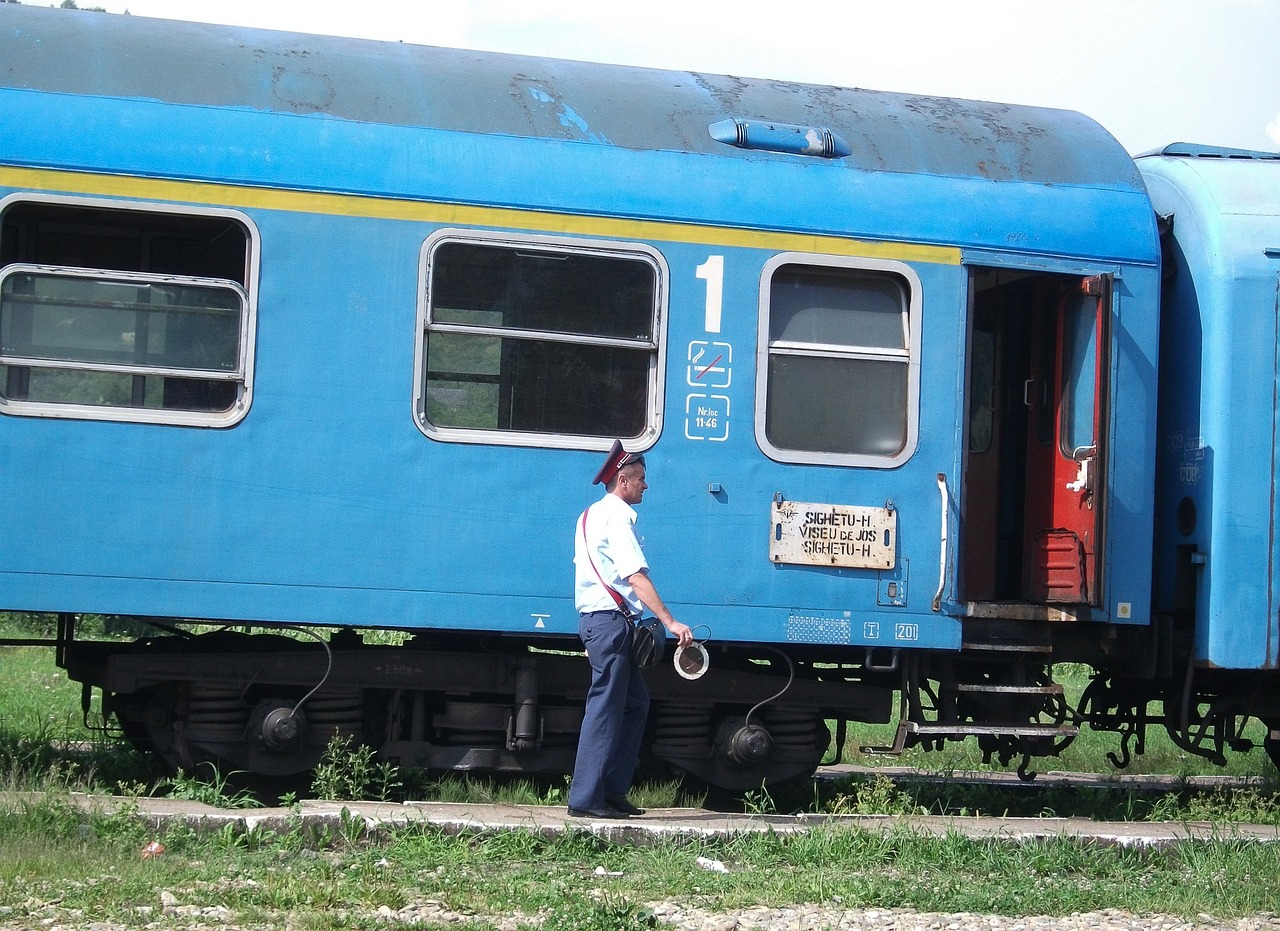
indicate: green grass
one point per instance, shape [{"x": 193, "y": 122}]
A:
[
  {"x": 56, "y": 863},
  {"x": 37, "y": 695},
  {"x": 880, "y": 795},
  {"x": 43, "y": 732}
]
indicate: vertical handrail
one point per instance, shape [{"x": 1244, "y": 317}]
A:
[{"x": 942, "y": 561}]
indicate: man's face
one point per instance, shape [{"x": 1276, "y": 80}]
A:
[{"x": 631, "y": 484}]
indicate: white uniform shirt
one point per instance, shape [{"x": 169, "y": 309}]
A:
[{"x": 611, "y": 545}]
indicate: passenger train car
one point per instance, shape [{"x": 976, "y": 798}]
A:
[
  {"x": 1217, "y": 570},
  {"x": 305, "y": 338}
]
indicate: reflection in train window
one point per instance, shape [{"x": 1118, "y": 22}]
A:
[
  {"x": 124, "y": 314},
  {"x": 837, "y": 379},
  {"x": 536, "y": 339},
  {"x": 982, "y": 391}
]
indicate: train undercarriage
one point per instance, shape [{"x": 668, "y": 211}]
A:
[
  {"x": 268, "y": 704},
  {"x": 999, "y": 689}
]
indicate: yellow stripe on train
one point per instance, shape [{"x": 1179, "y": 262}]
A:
[{"x": 387, "y": 208}]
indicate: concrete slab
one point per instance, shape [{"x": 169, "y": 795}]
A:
[{"x": 658, "y": 825}]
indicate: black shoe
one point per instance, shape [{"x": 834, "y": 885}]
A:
[
  {"x": 606, "y": 812},
  {"x": 621, "y": 804}
]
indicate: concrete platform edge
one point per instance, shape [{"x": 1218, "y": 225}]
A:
[{"x": 681, "y": 825}]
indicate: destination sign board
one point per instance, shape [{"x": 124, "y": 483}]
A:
[{"x": 833, "y": 535}]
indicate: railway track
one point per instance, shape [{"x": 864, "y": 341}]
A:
[
  {"x": 834, "y": 775},
  {"x": 1138, "y": 782}
]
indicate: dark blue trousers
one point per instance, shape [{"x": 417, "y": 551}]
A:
[{"x": 617, "y": 706}]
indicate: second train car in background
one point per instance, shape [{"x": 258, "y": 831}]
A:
[{"x": 313, "y": 334}]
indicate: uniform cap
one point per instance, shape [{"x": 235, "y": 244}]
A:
[
  {"x": 691, "y": 661},
  {"x": 617, "y": 458}
]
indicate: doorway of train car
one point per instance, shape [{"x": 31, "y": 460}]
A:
[{"x": 1032, "y": 507}]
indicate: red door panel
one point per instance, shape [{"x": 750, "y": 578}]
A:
[
  {"x": 1063, "y": 456},
  {"x": 1036, "y": 407}
]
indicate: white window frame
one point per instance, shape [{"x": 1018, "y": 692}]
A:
[
  {"x": 612, "y": 249},
  {"x": 909, "y": 356},
  {"x": 172, "y": 416}
]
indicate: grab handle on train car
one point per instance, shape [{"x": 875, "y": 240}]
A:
[{"x": 942, "y": 562}]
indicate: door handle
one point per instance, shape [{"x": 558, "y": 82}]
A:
[{"x": 1082, "y": 477}]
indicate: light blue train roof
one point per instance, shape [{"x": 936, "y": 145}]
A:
[
  {"x": 1200, "y": 185},
  {"x": 79, "y": 52}
]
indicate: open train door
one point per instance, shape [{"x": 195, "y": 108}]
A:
[
  {"x": 1064, "y": 524},
  {"x": 1032, "y": 520}
]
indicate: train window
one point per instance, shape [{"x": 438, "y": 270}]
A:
[
  {"x": 1079, "y": 352},
  {"x": 539, "y": 339},
  {"x": 118, "y": 313},
  {"x": 839, "y": 340},
  {"x": 982, "y": 391}
]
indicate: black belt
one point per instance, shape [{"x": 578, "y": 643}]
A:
[{"x": 613, "y": 611}]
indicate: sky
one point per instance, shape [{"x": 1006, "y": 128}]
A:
[{"x": 1151, "y": 71}]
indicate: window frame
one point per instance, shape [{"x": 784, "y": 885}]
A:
[
  {"x": 656, "y": 345},
  {"x": 1072, "y": 414},
  {"x": 243, "y": 376},
  {"x": 909, "y": 356}
]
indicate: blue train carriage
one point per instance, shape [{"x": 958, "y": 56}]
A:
[
  {"x": 311, "y": 333},
  {"x": 1218, "y": 568}
]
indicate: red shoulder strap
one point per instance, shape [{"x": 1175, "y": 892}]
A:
[{"x": 618, "y": 599}]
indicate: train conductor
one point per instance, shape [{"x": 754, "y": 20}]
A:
[{"x": 612, "y": 585}]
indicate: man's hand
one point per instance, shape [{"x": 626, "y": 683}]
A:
[
  {"x": 682, "y": 633},
  {"x": 643, "y": 586}
]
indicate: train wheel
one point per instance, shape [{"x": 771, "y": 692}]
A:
[
  {"x": 730, "y": 753},
  {"x": 157, "y": 724},
  {"x": 130, "y": 715},
  {"x": 191, "y": 725}
]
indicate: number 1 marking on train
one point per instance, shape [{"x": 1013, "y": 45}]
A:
[{"x": 712, "y": 272}]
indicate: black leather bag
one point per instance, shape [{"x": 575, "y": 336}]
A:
[{"x": 648, "y": 641}]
